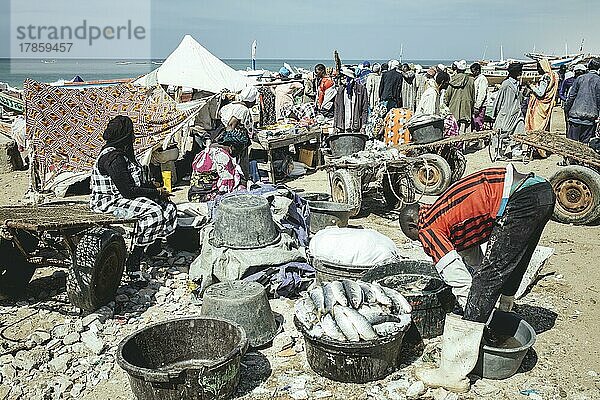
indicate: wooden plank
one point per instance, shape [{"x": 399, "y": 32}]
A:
[
  {"x": 55, "y": 217},
  {"x": 555, "y": 142}
]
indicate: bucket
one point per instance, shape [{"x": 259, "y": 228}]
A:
[
  {"x": 244, "y": 221},
  {"x": 328, "y": 213},
  {"x": 430, "y": 131},
  {"x": 185, "y": 358},
  {"x": 327, "y": 271},
  {"x": 429, "y": 306},
  {"x": 315, "y": 196},
  {"x": 244, "y": 303},
  {"x": 346, "y": 144},
  {"x": 356, "y": 362},
  {"x": 499, "y": 362}
]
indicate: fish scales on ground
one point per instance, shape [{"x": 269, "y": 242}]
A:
[{"x": 354, "y": 293}]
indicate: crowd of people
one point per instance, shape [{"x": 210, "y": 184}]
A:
[{"x": 380, "y": 100}]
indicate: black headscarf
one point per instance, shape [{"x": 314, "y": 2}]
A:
[{"x": 119, "y": 134}]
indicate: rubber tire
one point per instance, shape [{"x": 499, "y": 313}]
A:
[
  {"x": 97, "y": 268},
  {"x": 346, "y": 188},
  {"x": 444, "y": 173},
  {"x": 588, "y": 181},
  {"x": 456, "y": 160},
  {"x": 402, "y": 186},
  {"x": 15, "y": 271}
]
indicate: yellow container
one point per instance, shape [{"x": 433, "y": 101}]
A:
[{"x": 166, "y": 175}]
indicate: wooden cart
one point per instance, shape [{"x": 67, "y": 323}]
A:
[
  {"x": 62, "y": 235},
  {"x": 577, "y": 186},
  {"x": 350, "y": 181}
]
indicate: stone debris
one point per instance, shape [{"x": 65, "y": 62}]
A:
[
  {"x": 67, "y": 359},
  {"x": 415, "y": 390}
]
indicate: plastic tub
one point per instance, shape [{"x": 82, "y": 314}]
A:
[
  {"x": 315, "y": 196},
  {"x": 429, "y": 306},
  {"x": 244, "y": 221},
  {"x": 357, "y": 362},
  {"x": 244, "y": 303},
  {"x": 184, "y": 358},
  {"x": 427, "y": 132},
  {"x": 502, "y": 363},
  {"x": 327, "y": 271},
  {"x": 328, "y": 213},
  {"x": 346, "y": 144}
]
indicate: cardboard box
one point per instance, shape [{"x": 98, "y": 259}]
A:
[{"x": 307, "y": 156}]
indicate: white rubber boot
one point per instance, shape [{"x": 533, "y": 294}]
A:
[
  {"x": 460, "y": 351},
  {"x": 506, "y": 303}
]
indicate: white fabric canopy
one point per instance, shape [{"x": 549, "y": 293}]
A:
[{"x": 191, "y": 65}]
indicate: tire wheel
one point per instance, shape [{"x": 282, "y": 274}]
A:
[
  {"x": 402, "y": 187},
  {"x": 457, "y": 162},
  {"x": 97, "y": 267},
  {"x": 346, "y": 188},
  {"x": 15, "y": 271},
  {"x": 432, "y": 177},
  {"x": 577, "y": 190}
]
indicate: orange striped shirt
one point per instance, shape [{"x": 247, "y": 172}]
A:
[{"x": 464, "y": 215}]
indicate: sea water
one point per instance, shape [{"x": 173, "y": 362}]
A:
[{"x": 15, "y": 71}]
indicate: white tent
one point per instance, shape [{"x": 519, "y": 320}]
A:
[{"x": 191, "y": 65}]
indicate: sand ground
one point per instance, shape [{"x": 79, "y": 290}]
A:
[{"x": 562, "y": 307}]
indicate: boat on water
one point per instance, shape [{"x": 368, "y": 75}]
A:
[{"x": 48, "y": 61}]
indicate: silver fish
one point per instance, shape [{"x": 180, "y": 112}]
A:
[
  {"x": 382, "y": 298},
  {"x": 306, "y": 312},
  {"x": 360, "y": 323},
  {"x": 387, "y": 328},
  {"x": 316, "y": 295},
  {"x": 400, "y": 303},
  {"x": 344, "y": 323},
  {"x": 368, "y": 294},
  {"x": 353, "y": 291},
  {"x": 331, "y": 329},
  {"x": 371, "y": 312},
  {"x": 316, "y": 331},
  {"x": 330, "y": 300},
  {"x": 339, "y": 293}
]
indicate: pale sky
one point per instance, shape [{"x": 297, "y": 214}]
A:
[{"x": 367, "y": 29}]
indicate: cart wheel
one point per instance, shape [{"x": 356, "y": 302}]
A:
[
  {"x": 15, "y": 271},
  {"x": 457, "y": 162},
  {"x": 402, "y": 187},
  {"x": 432, "y": 177},
  {"x": 346, "y": 188},
  {"x": 577, "y": 191},
  {"x": 97, "y": 268}
]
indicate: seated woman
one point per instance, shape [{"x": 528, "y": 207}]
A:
[
  {"x": 119, "y": 187},
  {"x": 215, "y": 171}
]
